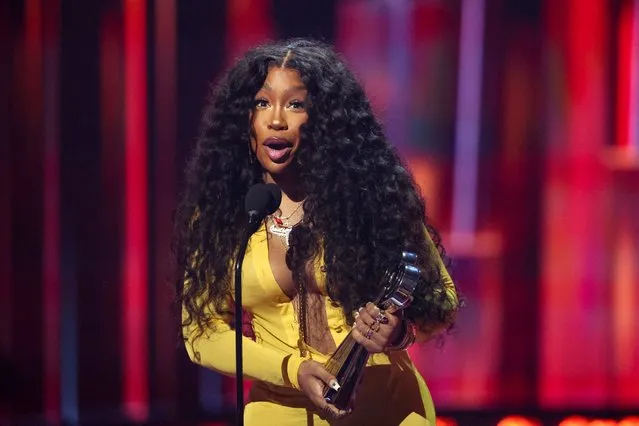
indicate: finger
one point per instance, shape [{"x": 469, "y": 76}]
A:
[
  {"x": 387, "y": 329},
  {"x": 394, "y": 323},
  {"x": 315, "y": 394},
  {"x": 332, "y": 412},
  {"x": 374, "y": 338},
  {"x": 382, "y": 318},
  {"x": 364, "y": 325},
  {"x": 391, "y": 319},
  {"x": 370, "y": 333},
  {"x": 320, "y": 372},
  {"x": 375, "y": 311},
  {"x": 372, "y": 309},
  {"x": 378, "y": 314},
  {"x": 369, "y": 344},
  {"x": 365, "y": 317},
  {"x": 337, "y": 413},
  {"x": 329, "y": 410},
  {"x": 376, "y": 332}
]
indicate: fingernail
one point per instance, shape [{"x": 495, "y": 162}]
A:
[{"x": 334, "y": 385}]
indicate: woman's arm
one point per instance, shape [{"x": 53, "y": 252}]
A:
[
  {"x": 215, "y": 349},
  {"x": 450, "y": 304}
]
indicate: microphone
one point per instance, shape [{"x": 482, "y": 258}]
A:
[{"x": 261, "y": 200}]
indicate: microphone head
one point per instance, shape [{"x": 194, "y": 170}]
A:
[
  {"x": 261, "y": 200},
  {"x": 276, "y": 197}
]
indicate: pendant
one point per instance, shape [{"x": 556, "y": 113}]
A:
[{"x": 280, "y": 232}]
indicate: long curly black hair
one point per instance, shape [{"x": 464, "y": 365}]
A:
[{"x": 362, "y": 205}]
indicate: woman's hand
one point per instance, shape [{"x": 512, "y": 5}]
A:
[
  {"x": 311, "y": 377},
  {"x": 375, "y": 330}
]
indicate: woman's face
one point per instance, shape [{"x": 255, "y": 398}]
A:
[{"x": 278, "y": 113}]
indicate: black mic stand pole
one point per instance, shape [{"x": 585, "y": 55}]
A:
[{"x": 253, "y": 223}]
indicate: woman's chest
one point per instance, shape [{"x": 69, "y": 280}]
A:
[{"x": 267, "y": 279}]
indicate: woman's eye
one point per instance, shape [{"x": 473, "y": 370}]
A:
[
  {"x": 261, "y": 103},
  {"x": 296, "y": 105}
]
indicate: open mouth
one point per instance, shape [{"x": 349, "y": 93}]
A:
[{"x": 278, "y": 149}]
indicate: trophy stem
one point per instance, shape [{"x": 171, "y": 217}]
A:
[{"x": 347, "y": 364}]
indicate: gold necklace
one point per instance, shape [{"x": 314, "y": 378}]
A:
[{"x": 284, "y": 220}]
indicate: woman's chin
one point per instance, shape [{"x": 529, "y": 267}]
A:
[{"x": 279, "y": 168}]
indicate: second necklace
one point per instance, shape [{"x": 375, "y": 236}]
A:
[{"x": 281, "y": 227}]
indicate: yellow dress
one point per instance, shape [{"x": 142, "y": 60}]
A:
[{"x": 392, "y": 391}]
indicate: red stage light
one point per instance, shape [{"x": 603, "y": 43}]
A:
[
  {"x": 445, "y": 421},
  {"x": 602, "y": 422},
  {"x": 574, "y": 421},
  {"x": 135, "y": 273},
  {"x": 517, "y": 421}
]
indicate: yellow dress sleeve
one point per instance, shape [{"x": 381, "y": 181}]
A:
[
  {"x": 427, "y": 331},
  {"x": 215, "y": 349},
  {"x": 448, "y": 281}
]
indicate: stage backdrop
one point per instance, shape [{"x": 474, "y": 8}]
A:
[{"x": 519, "y": 120}]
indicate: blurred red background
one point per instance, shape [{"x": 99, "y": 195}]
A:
[{"x": 519, "y": 120}]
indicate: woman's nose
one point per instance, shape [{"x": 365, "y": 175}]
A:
[{"x": 278, "y": 122}]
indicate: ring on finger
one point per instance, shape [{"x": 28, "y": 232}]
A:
[
  {"x": 381, "y": 318},
  {"x": 369, "y": 333},
  {"x": 375, "y": 327}
]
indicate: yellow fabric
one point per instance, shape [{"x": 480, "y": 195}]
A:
[{"x": 392, "y": 391}]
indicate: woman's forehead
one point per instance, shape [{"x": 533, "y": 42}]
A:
[{"x": 279, "y": 79}]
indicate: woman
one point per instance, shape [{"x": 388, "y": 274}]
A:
[{"x": 291, "y": 113}]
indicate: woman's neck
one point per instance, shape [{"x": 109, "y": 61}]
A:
[{"x": 292, "y": 193}]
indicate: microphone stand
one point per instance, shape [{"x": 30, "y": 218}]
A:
[{"x": 253, "y": 224}]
